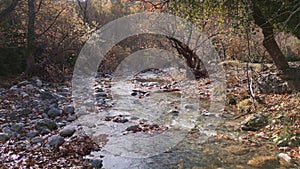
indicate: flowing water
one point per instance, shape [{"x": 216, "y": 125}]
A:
[{"x": 191, "y": 140}]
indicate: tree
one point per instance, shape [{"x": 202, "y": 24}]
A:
[
  {"x": 51, "y": 32},
  {"x": 8, "y": 9},
  {"x": 269, "y": 14},
  {"x": 284, "y": 14}
]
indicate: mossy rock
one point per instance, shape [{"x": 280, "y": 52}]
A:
[
  {"x": 245, "y": 106},
  {"x": 254, "y": 122}
]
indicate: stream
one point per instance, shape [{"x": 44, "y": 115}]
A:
[{"x": 156, "y": 122}]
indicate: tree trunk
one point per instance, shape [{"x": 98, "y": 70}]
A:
[
  {"x": 30, "y": 37},
  {"x": 192, "y": 60},
  {"x": 269, "y": 41}
]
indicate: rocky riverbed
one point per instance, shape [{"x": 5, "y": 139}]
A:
[{"x": 151, "y": 120}]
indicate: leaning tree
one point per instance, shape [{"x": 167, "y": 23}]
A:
[{"x": 272, "y": 16}]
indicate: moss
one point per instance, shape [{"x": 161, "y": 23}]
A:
[{"x": 245, "y": 106}]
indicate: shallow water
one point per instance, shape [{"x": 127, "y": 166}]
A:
[{"x": 190, "y": 141}]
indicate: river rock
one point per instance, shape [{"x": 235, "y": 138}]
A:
[
  {"x": 96, "y": 163},
  {"x": 101, "y": 94},
  {"x": 25, "y": 112},
  {"x": 39, "y": 83},
  {"x": 189, "y": 106},
  {"x": 4, "y": 137},
  {"x": 153, "y": 84},
  {"x": 6, "y": 128},
  {"x": 14, "y": 88},
  {"x": 262, "y": 162},
  {"x": 56, "y": 140},
  {"x": 67, "y": 131},
  {"x": 54, "y": 112},
  {"x": 134, "y": 128},
  {"x": 238, "y": 150},
  {"x": 32, "y": 134},
  {"x": 17, "y": 127},
  {"x": 278, "y": 86},
  {"x": 37, "y": 140},
  {"x": 285, "y": 159},
  {"x": 69, "y": 109},
  {"x": 254, "y": 122},
  {"x": 99, "y": 89},
  {"x": 71, "y": 118},
  {"x": 174, "y": 112},
  {"x": 23, "y": 83},
  {"x": 29, "y": 87},
  {"x": 45, "y": 124}
]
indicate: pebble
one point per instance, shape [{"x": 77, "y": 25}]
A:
[
  {"x": 67, "y": 131},
  {"x": 56, "y": 140}
]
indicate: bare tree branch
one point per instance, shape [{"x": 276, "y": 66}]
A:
[{"x": 53, "y": 22}]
